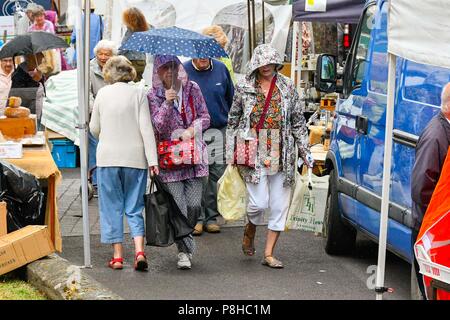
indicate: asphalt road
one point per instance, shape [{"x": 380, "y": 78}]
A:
[{"x": 221, "y": 271}]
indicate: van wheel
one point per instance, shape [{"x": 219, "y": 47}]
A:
[{"x": 339, "y": 237}]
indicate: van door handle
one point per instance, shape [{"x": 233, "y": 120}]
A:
[{"x": 362, "y": 124}]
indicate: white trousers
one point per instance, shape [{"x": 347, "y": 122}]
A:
[{"x": 269, "y": 193}]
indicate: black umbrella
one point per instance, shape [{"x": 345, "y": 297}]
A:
[{"x": 31, "y": 43}]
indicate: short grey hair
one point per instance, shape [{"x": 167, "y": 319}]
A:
[
  {"x": 119, "y": 69},
  {"x": 445, "y": 98},
  {"x": 39, "y": 10},
  {"x": 32, "y": 7},
  {"x": 106, "y": 45}
]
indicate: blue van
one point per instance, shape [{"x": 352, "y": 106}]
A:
[{"x": 355, "y": 159}]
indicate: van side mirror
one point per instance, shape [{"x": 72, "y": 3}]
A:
[{"x": 326, "y": 73}]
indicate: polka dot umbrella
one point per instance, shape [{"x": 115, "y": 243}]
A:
[{"x": 174, "y": 41}]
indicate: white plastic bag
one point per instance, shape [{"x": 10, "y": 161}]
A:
[
  {"x": 308, "y": 203},
  {"x": 232, "y": 195}
]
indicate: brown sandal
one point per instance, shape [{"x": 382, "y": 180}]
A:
[
  {"x": 272, "y": 262},
  {"x": 248, "y": 242}
]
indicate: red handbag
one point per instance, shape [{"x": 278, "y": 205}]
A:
[
  {"x": 178, "y": 154},
  {"x": 245, "y": 150}
]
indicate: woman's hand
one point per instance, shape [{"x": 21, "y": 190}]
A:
[
  {"x": 187, "y": 134},
  {"x": 171, "y": 95},
  {"x": 309, "y": 160},
  {"x": 154, "y": 170},
  {"x": 36, "y": 75}
]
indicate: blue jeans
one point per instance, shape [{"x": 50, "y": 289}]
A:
[
  {"x": 92, "y": 156},
  {"x": 121, "y": 191}
]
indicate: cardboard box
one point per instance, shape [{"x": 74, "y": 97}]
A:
[{"x": 23, "y": 246}]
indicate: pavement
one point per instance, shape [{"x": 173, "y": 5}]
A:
[{"x": 221, "y": 271}]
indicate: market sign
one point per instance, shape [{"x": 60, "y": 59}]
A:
[
  {"x": 316, "y": 5},
  {"x": 6, "y": 25}
]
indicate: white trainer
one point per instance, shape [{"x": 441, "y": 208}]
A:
[{"x": 184, "y": 261}]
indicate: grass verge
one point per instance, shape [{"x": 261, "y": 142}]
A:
[{"x": 12, "y": 288}]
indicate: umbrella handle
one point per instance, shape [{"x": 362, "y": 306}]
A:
[{"x": 173, "y": 74}]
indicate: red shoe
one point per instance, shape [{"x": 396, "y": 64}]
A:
[
  {"x": 140, "y": 261},
  {"x": 116, "y": 263}
]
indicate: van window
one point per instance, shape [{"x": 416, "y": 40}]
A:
[
  {"x": 378, "y": 74},
  {"x": 423, "y": 83},
  {"x": 362, "y": 47}
]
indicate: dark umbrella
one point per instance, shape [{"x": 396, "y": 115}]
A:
[
  {"x": 175, "y": 41},
  {"x": 31, "y": 43}
]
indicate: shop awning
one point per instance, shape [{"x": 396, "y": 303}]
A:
[
  {"x": 342, "y": 11},
  {"x": 419, "y": 31}
]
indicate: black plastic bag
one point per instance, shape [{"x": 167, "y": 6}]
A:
[
  {"x": 25, "y": 201},
  {"x": 164, "y": 221}
]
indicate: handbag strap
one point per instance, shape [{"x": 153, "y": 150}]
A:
[
  {"x": 183, "y": 110},
  {"x": 266, "y": 105},
  {"x": 152, "y": 183}
]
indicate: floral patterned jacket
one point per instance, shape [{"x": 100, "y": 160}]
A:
[{"x": 293, "y": 125}]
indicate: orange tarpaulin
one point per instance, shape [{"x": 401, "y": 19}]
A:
[{"x": 434, "y": 234}]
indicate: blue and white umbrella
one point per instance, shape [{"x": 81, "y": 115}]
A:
[{"x": 174, "y": 41}]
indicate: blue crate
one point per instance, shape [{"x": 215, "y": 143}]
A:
[{"x": 64, "y": 153}]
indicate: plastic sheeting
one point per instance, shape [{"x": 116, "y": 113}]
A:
[
  {"x": 23, "y": 195},
  {"x": 343, "y": 11},
  {"x": 418, "y": 31},
  {"x": 198, "y": 14}
]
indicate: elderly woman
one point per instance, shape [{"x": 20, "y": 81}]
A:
[
  {"x": 104, "y": 50},
  {"x": 268, "y": 114},
  {"x": 179, "y": 111},
  {"x": 126, "y": 149},
  {"x": 52, "y": 57},
  {"x": 135, "y": 21},
  {"x": 40, "y": 23}
]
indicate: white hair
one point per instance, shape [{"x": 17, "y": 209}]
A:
[
  {"x": 106, "y": 45},
  {"x": 445, "y": 99}
]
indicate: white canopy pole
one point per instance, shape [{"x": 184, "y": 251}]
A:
[
  {"x": 386, "y": 176},
  {"x": 300, "y": 55},
  {"x": 294, "y": 50},
  {"x": 83, "y": 105}
]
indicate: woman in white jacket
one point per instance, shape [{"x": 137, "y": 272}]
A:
[{"x": 126, "y": 149}]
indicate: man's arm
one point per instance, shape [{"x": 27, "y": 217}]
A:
[{"x": 425, "y": 174}]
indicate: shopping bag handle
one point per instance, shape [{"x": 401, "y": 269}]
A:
[{"x": 310, "y": 183}]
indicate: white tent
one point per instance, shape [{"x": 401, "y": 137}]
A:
[{"x": 417, "y": 31}]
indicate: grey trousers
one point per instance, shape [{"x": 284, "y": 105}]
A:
[
  {"x": 188, "y": 196},
  {"x": 216, "y": 149}
]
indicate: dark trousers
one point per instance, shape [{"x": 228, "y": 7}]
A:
[
  {"x": 217, "y": 166},
  {"x": 209, "y": 201}
]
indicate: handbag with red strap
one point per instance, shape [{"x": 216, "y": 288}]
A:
[
  {"x": 178, "y": 154},
  {"x": 245, "y": 151}
]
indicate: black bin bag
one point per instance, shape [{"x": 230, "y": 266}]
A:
[
  {"x": 25, "y": 200},
  {"x": 164, "y": 222}
]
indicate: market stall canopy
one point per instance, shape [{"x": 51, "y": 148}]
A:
[
  {"x": 419, "y": 31},
  {"x": 342, "y": 11}
]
